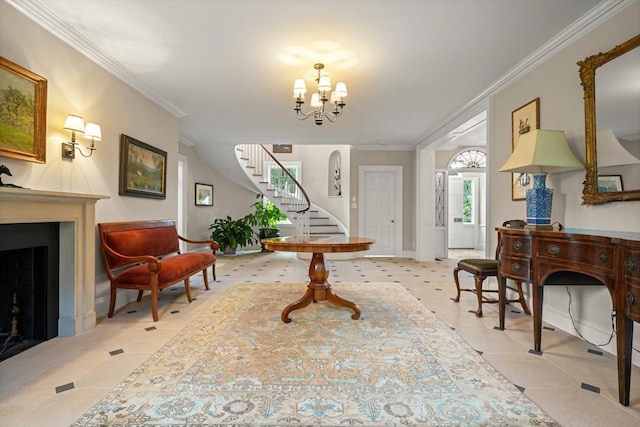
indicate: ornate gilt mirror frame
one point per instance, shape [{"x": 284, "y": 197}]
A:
[{"x": 590, "y": 194}]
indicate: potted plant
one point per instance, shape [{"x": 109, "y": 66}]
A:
[
  {"x": 232, "y": 233},
  {"x": 265, "y": 217}
]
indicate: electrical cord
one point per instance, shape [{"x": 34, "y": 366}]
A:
[
  {"x": 613, "y": 326},
  {"x": 573, "y": 321}
]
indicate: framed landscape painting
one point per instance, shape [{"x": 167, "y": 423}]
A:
[
  {"x": 23, "y": 113},
  {"x": 143, "y": 169},
  {"x": 523, "y": 120}
]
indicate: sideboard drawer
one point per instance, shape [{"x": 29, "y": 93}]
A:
[
  {"x": 515, "y": 267},
  {"x": 519, "y": 245},
  {"x": 631, "y": 262},
  {"x": 598, "y": 256},
  {"x": 632, "y": 299}
]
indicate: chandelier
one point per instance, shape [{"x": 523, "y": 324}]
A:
[{"x": 320, "y": 98}]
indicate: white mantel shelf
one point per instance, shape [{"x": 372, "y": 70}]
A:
[
  {"x": 76, "y": 214},
  {"x": 11, "y": 193}
]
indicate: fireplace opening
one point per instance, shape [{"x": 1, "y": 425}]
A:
[{"x": 29, "y": 286}]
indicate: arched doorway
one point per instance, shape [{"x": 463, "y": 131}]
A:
[{"x": 467, "y": 199}]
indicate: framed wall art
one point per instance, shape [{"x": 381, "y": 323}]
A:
[
  {"x": 204, "y": 194},
  {"x": 523, "y": 120},
  {"x": 143, "y": 169},
  {"x": 608, "y": 183},
  {"x": 282, "y": 148},
  {"x": 23, "y": 113}
]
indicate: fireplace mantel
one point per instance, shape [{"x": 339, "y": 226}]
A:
[{"x": 76, "y": 214}]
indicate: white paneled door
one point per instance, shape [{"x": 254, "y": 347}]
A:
[
  {"x": 456, "y": 186},
  {"x": 380, "y": 213}
]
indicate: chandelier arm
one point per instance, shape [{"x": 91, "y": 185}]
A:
[
  {"x": 330, "y": 116},
  {"x": 303, "y": 116}
]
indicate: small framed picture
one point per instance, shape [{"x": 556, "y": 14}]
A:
[
  {"x": 204, "y": 194},
  {"x": 282, "y": 148},
  {"x": 523, "y": 120},
  {"x": 608, "y": 183}
]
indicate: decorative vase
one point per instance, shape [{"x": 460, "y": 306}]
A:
[{"x": 539, "y": 200}]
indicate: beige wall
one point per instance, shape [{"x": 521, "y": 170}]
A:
[
  {"x": 406, "y": 159},
  {"x": 557, "y": 83},
  {"x": 76, "y": 85}
]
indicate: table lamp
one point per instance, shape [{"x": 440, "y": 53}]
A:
[{"x": 540, "y": 152}]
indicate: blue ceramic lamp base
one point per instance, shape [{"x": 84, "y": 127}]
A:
[{"x": 539, "y": 200}]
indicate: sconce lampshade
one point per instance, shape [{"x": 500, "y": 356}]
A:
[
  {"x": 540, "y": 152},
  {"x": 92, "y": 131},
  {"x": 74, "y": 123}
]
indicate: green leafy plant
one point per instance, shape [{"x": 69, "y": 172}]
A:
[
  {"x": 232, "y": 233},
  {"x": 266, "y": 215}
]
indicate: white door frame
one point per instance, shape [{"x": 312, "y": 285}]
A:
[
  {"x": 397, "y": 171},
  {"x": 183, "y": 179}
]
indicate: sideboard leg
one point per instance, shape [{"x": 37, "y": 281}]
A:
[
  {"x": 624, "y": 341},
  {"x": 538, "y": 297}
]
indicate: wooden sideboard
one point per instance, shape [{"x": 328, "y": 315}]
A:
[{"x": 547, "y": 258}]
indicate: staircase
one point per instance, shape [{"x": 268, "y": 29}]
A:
[{"x": 286, "y": 193}]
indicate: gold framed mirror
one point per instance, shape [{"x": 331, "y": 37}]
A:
[{"x": 610, "y": 111}]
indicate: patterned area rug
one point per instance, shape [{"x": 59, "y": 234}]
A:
[{"x": 239, "y": 364}]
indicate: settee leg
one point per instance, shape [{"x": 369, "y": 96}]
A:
[
  {"x": 154, "y": 303},
  {"x": 187, "y": 289},
  {"x": 112, "y": 302},
  {"x": 206, "y": 279}
]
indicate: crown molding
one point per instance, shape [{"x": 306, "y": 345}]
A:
[
  {"x": 592, "y": 19},
  {"x": 41, "y": 15},
  {"x": 185, "y": 141}
]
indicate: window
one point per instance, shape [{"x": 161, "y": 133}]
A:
[
  {"x": 280, "y": 180},
  {"x": 469, "y": 159},
  {"x": 467, "y": 202}
]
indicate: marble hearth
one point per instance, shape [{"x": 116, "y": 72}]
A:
[{"x": 76, "y": 215}]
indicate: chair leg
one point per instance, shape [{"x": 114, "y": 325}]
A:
[
  {"x": 213, "y": 270},
  {"x": 455, "y": 279},
  {"x": 478, "y": 280},
  {"x": 140, "y": 296},
  {"x": 523, "y": 302}
]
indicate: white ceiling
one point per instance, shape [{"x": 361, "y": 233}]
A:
[{"x": 410, "y": 66}]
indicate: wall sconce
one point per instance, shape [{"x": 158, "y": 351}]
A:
[{"x": 76, "y": 124}]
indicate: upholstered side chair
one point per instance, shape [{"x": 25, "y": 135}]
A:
[{"x": 482, "y": 268}]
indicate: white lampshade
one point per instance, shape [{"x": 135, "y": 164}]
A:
[
  {"x": 540, "y": 151},
  {"x": 74, "y": 123},
  {"x": 315, "y": 100},
  {"x": 324, "y": 85},
  {"x": 341, "y": 89},
  {"x": 92, "y": 131},
  {"x": 610, "y": 152},
  {"x": 299, "y": 88}
]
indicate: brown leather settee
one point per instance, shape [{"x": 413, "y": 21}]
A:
[{"x": 145, "y": 255}]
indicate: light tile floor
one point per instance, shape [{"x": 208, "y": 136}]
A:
[{"x": 55, "y": 382}]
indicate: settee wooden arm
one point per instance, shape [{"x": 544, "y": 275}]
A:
[
  {"x": 153, "y": 263},
  {"x": 212, "y": 243}
]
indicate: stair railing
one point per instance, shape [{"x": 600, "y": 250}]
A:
[{"x": 283, "y": 188}]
